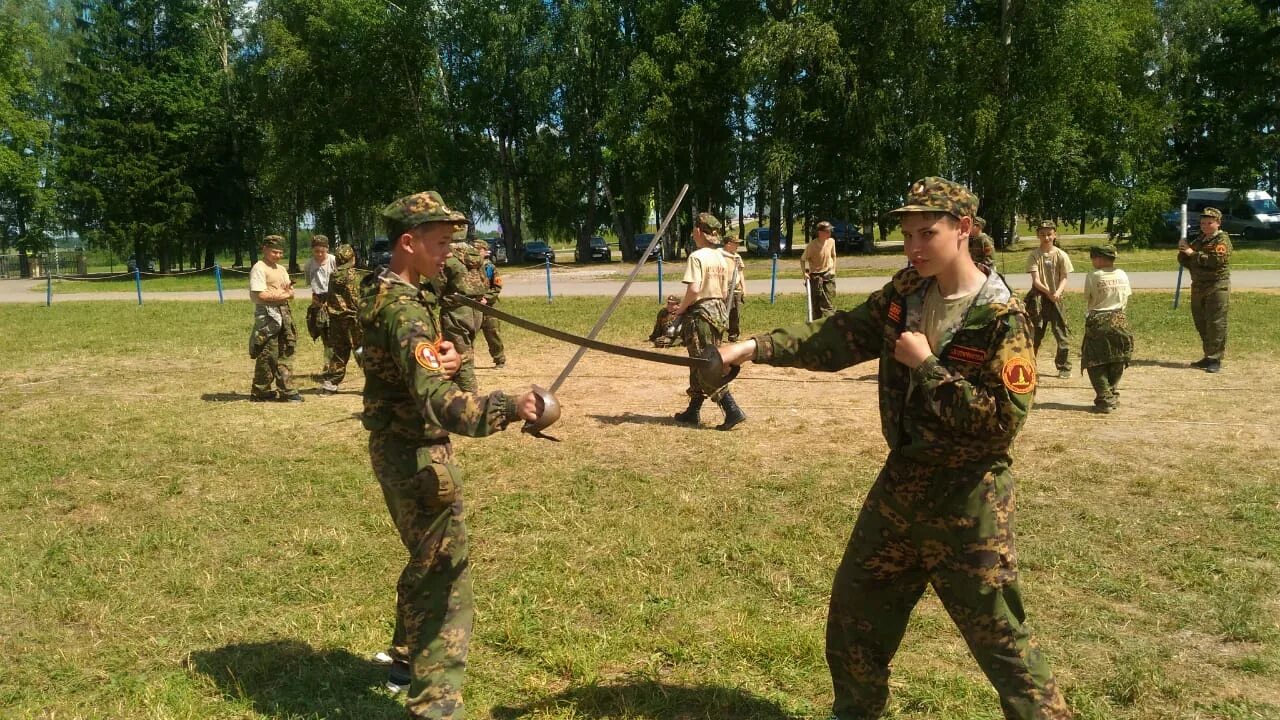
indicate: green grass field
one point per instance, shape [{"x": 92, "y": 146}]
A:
[{"x": 173, "y": 551}]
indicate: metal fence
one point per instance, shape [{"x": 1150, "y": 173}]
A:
[{"x": 41, "y": 265}]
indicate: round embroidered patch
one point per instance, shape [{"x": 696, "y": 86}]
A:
[
  {"x": 1019, "y": 375},
  {"x": 427, "y": 356}
]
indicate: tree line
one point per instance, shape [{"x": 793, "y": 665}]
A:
[{"x": 181, "y": 129}]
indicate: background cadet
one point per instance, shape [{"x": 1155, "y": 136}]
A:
[
  {"x": 489, "y": 325},
  {"x": 981, "y": 247},
  {"x": 709, "y": 279},
  {"x": 462, "y": 275},
  {"x": 1208, "y": 259},
  {"x": 342, "y": 302},
  {"x": 317, "y": 270},
  {"x": 739, "y": 296},
  {"x": 1108, "y": 341},
  {"x": 666, "y": 328},
  {"x": 410, "y": 407},
  {"x": 819, "y": 266},
  {"x": 274, "y": 337},
  {"x": 955, "y": 388},
  {"x": 1050, "y": 266}
]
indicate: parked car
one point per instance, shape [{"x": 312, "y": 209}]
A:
[
  {"x": 497, "y": 251},
  {"x": 1252, "y": 214},
  {"x": 642, "y": 241},
  {"x": 539, "y": 252},
  {"x": 599, "y": 250},
  {"x": 133, "y": 265},
  {"x": 849, "y": 239},
  {"x": 380, "y": 252},
  {"x": 758, "y": 241}
]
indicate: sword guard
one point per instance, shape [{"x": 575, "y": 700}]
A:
[
  {"x": 548, "y": 414},
  {"x": 712, "y": 374}
]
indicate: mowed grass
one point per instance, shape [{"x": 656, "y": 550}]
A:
[{"x": 173, "y": 551}]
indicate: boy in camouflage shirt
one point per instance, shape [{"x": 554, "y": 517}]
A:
[{"x": 957, "y": 378}]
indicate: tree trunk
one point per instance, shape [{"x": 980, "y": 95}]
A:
[{"x": 293, "y": 232}]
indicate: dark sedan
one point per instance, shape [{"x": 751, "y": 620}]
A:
[
  {"x": 600, "y": 251},
  {"x": 539, "y": 252}
]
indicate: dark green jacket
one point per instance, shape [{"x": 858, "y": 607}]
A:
[
  {"x": 962, "y": 407},
  {"x": 1210, "y": 261}
]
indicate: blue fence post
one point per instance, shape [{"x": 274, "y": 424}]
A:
[
  {"x": 773, "y": 280},
  {"x": 48, "y": 289},
  {"x": 137, "y": 282},
  {"x": 217, "y": 277},
  {"x": 660, "y": 300},
  {"x": 548, "y": 264}
]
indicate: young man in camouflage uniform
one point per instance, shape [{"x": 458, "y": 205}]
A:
[
  {"x": 819, "y": 266},
  {"x": 1050, "y": 266},
  {"x": 489, "y": 325},
  {"x": 343, "y": 335},
  {"x": 981, "y": 247},
  {"x": 666, "y": 327},
  {"x": 957, "y": 378},
  {"x": 710, "y": 277},
  {"x": 462, "y": 276},
  {"x": 1208, "y": 259},
  {"x": 410, "y": 407},
  {"x": 274, "y": 337}
]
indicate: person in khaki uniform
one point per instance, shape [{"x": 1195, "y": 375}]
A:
[
  {"x": 981, "y": 247},
  {"x": 274, "y": 337},
  {"x": 709, "y": 279},
  {"x": 819, "y": 265},
  {"x": 462, "y": 276},
  {"x": 1208, "y": 259},
  {"x": 739, "y": 296},
  {"x": 1050, "y": 266},
  {"x": 957, "y": 378},
  {"x": 489, "y": 326},
  {"x": 1108, "y": 341},
  {"x": 666, "y": 327},
  {"x": 318, "y": 270},
  {"x": 341, "y": 303}
]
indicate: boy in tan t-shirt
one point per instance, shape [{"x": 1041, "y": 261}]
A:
[
  {"x": 1108, "y": 341},
  {"x": 1049, "y": 266},
  {"x": 274, "y": 338}
]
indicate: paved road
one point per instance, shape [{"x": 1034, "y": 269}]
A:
[{"x": 605, "y": 282}]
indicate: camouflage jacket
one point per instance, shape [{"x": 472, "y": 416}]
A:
[
  {"x": 982, "y": 249},
  {"x": 460, "y": 279},
  {"x": 1210, "y": 260},
  {"x": 962, "y": 407},
  {"x": 343, "y": 298},
  {"x": 493, "y": 281},
  {"x": 405, "y": 390}
]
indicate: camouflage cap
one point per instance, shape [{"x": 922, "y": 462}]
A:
[
  {"x": 672, "y": 299},
  {"x": 1211, "y": 212},
  {"x": 344, "y": 254},
  {"x": 732, "y": 240},
  {"x": 320, "y": 241},
  {"x": 708, "y": 223},
  {"x": 825, "y": 225},
  {"x": 1047, "y": 225},
  {"x": 979, "y": 221},
  {"x": 935, "y": 194},
  {"x": 480, "y": 244},
  {"x": 424, "y": 207},
  {"x": 1103, "y": 250},
  {"x": 273, "y": 242}
]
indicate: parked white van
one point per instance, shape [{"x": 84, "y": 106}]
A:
[{"x": 1253, "y": 214}]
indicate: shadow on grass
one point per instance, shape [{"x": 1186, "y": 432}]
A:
[
  {"x": 225, "y": 397},
  {"x": 1064, "y": 406},
  {"x": 629, "y": 418},
  {"x": 288, "y": 678},
  {"x": 649, "y": 699},
  {"x": 1163, "y": 364}
]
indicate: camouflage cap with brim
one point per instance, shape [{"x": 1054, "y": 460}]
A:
[
  {"x": 1047, "y": 225},
  {"x": 979, "y": 221},
  {"x": 1103, "y": 250},
  {"x": 420, "y": 208},
  {"x": 708, "y": 223},
  {"x": 672, "y": 299},
  {"x": 344, "y": 254},
  {"x": 273, "y": 242},
  {"x": 319, "y": 241},
  {"x": 935, "y": 194},
  {"x": 1211, "y": 212}
]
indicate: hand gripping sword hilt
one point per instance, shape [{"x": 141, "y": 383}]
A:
[{"x": 548, "y": 414}]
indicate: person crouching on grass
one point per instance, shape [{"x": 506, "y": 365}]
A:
[{"x": 957, "y": 377}]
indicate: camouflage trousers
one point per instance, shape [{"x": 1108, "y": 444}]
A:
[
  {"x": 272, "y": 343},
  {"x": 459, "y": 325},
  {"x": 1045, "y": 316},
  {"x": 822, "y": 294},
  {"x": 735, "y": 317},
  {"x": 434, "y": 607},
  {"x": 342, "y": 336},
  {"x": 1209, "y": 311},
  {"x": 1107, "y": 348},
  {"x": 700, "y": 330},
  {"x": 497, "y": 351},
  {"x": 956, "y": 535},
  {"x": 1106, "y": 383}
]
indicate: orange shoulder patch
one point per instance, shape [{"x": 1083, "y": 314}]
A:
[
  {"x": 427, "y": 356},
  {"x": 1019, "y": 375}
]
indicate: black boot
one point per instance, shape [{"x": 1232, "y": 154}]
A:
[
  {"x": 733, "y": 414},
  {"x": 691, "y": 414}
]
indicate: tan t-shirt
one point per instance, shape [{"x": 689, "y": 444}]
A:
[
  {"x": 941, "y": 316},
  {"x": 741, "y": 266},
  {"x": 708, "y": 272},
  {"x": 1106, "y": 290},
  {"x": 264, "y": 277},
  {"x": 820, "y": 256},
  {"x": 1051, "y": 266}
]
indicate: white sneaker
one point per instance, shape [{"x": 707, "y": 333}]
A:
[{"x": 382, "y": 657}]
